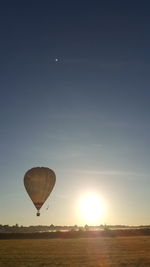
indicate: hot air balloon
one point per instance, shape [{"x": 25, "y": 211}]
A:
[{"x": 39, "y": 183}]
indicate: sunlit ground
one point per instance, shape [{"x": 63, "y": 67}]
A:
[
  {"x": 81, "y": 252},
  {"x": 91, "y": 209}
]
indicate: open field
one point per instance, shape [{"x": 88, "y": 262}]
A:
[{"x": 92, "y": 252}]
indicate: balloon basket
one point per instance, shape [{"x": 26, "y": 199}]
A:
[{"x": 38, "y": 213}]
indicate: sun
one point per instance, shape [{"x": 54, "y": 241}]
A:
[{"x": 91, "y": 209}]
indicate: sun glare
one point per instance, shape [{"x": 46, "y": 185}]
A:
[{"x": 91, "y": 209}]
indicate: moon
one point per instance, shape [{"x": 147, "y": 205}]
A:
[{"x": 56, "y": 60}]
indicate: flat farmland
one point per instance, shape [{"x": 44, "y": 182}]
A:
[{"x": 91, "y": 252}]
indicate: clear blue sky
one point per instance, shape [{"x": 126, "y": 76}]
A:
[{"x": 86, "y": 116}]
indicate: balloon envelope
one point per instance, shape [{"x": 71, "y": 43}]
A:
[{"x": 39, "y": 183}]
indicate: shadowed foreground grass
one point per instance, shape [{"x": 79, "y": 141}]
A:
[{"x": 92, "y": 252}]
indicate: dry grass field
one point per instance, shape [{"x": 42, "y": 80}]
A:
[{"x": 91, "y": 252}]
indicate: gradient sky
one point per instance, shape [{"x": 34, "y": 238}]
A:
[{"x": 85, "y": 116}]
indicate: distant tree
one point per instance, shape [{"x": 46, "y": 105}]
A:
[
  {"x": 86, "y": 227},
  {"x": 52, "y": 227}
]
